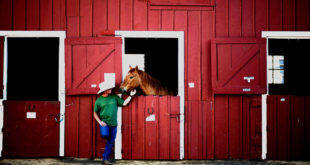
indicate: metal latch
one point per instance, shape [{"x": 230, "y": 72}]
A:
[
  {"x": 177, "y": 116},
  {"x": 248, "y": 78}
]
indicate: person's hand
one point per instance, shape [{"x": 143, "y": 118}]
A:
[
  {"x": 133, "y": 92},
  {"x": 102, "y": 123}
]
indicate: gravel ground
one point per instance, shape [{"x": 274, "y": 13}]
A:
[{"x": 79, "y": 161}]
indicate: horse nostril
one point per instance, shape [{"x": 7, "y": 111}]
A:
[{"x": 122, "y": 90}]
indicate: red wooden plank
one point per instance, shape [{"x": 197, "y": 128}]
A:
[
  {"x": 85, "y": 127},
  {"x": 180, "y": 24},
  {"x": 94, "y": 128},
  {"x": 79, "y": 65},
  {"x": 248, "y": 20},
  {"x": 302, "y": 15},
  {"x": 261, "y": 17},
  {"x": 298, "y": 127},
  {"x": 235, "y": 15},
  {"x": 194, "y": 130},
  {"x": 288, "y": 15},
  {"x": 271, "y": 127},
  {"x": 207, "y": 33},
  {"x": 59, "y": 15},
  {"x": 187, "y": 131},
  {"x": 73, "y": 28},
  {"x": 33, "y": 14},
  {"x": 138, "y": 130},
  {"x": 100, "y": 16},
  {"x": 182, "y": 3},
  {"x": 283, "y": 127},
  {"x": 246, "y": 127},
  {"x": 19, "y": 15},
  {"x": 154, "y": 20},
  {"x": 72, "y": 8},
  {"x": 46, "y": 15},
  {"x": 275, "y": 15},
  {"x": 221, "y": 19},
  {"x": 86, "y": 11},
  {"x": 194, "y": 54},
  {"x": 93, "y": 54},
  {"x": 71, "y": 126},
  {"x": 164, "y": 127},
  {"x": 223, "y": 62},
  {"x": 175, "y": 128},
  {"x": 113, "y": 15},
  {"x": 140, "y": 15},
  {"x": 126, "y": 15},
  {"x": 221, "y": 118},
  {"x": 167, "y": 19},
  {"x": 151, "y": 108},
  {"x": 205, "y": 108},
  {"x": 126, "y": 128},
  {"x": 6, "y": 15},
  {"x": 235, "y": 127},
  {"x": 209, "y": 129},
  {"x": 255, "y": 125},
  {"x": 307, "y": 127}
]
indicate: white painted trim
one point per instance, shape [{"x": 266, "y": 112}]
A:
[
  {"x": 286, "y": 34},
  {"x": 162, "y": 34},
  {"x": 61, "y": 86}
]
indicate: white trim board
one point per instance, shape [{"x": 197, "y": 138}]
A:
[
  {"x": 158, "y": 34},
  {"x": 286, "y": 34},
  {"x": 61, "y": 86}
]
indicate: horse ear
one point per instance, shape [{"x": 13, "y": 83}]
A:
[
  {"x": 130, "y": 67},
  {"x": 136, "y": 67}
]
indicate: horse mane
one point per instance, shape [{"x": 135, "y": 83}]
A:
[{"x": 150, "y": 80}]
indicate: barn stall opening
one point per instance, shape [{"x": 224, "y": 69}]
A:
[{"x": 207, "y": 109}]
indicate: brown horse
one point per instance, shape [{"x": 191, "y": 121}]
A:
[{"x": 149, "y": 85}]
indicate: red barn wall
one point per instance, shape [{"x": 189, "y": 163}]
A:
[{"x": 201, "y": 23}]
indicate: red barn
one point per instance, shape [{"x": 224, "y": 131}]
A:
[{"x": 242, "y": 93}]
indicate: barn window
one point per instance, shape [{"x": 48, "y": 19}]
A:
[
  {"x": 33, "y": 69},
  {"x": 157, "y": 57},
  {"x": 275, "y": 67},
  {"x": 288, "y": 63}
]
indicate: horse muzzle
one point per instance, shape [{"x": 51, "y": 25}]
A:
[{"x": 122, "y": 90}]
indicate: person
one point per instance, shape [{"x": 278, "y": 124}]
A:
[{"x": 106, "y": 105}]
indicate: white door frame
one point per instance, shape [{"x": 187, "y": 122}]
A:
[
  {"x": 157, "y": 34},
  {"x": 275, "y": 35},
  {"x": 61, "y": 84}
]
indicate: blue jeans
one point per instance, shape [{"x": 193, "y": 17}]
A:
[{"x": 108, "y": 132}]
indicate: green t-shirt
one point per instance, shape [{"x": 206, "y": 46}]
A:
[{"x": 107, "y": 108}]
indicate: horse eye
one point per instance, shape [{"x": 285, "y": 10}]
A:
[{"x": 131, "y": 77}]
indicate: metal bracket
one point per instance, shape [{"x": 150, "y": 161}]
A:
[{"x": 248, "y": 78}]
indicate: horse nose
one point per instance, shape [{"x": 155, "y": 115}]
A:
[{"x": 122, "y": 90}]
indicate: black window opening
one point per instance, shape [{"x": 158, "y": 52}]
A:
[
  {"x": 288, "y": 66},
  {"x": 33, "y": 69},
  {"x": 161, "y": 58}
]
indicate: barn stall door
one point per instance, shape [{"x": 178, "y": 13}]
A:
[
  {"x": 87, "y": 60},
  {"x": 151, "y": 128},
  {"x": 31, "y": 108},
  {"x": 238, "y": 66}
]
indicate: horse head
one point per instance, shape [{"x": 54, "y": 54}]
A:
[{"x": 131, "y": 80}]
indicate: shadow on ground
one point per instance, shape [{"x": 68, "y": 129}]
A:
[{"x": 79, "y": 161}]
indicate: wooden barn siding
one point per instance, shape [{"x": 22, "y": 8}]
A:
[{"x": 231, "y": 18}]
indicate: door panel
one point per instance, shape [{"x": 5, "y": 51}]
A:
[
  {"x": 151, "y": 128},
  {"x": 238, "y": 66},
  {"x": 31, "y": 129}
]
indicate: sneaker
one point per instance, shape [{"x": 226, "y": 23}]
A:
[{"x": 106, "y": 162}]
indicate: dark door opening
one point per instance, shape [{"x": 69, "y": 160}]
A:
[
  {"x": 33, "y": 69},
  {"x": 161, "y": 58},
  {"x": 288, "y": 66}
]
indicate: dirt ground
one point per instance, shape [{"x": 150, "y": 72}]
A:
[{"x": 79, "y": 161}]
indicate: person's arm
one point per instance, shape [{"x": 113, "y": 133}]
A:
[
  {"x": 132, "y": 93},
  {"x": 98, "y": 120}
]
